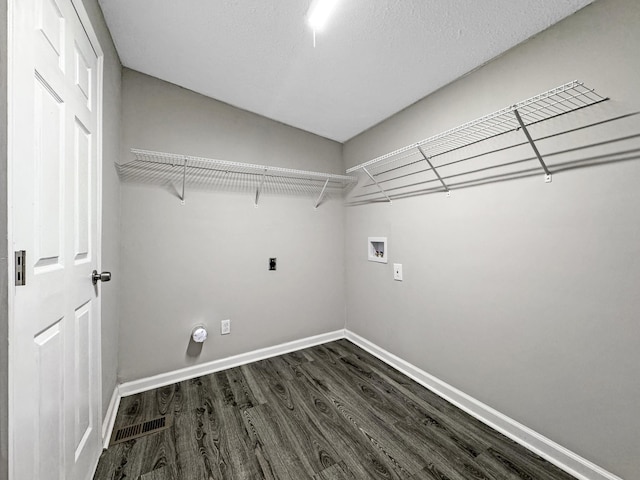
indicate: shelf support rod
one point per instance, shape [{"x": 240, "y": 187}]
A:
[
  {"x": 184, "y": 179},
  {"x": 426, "y": 159},
  {"x": 547, "y": 177},
  {"x": 259, "y": 189},
  {"x": 377, "y": 184},
  {"x": 322, "y": 193}
]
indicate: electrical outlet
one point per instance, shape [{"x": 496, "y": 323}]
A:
[
  {"x": 397, "y": 271},
  {"x": 225, "y": 327}
]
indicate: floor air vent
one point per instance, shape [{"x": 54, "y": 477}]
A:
[{"x": 140, "y": 429}]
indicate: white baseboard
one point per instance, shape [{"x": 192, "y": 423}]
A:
[
  {"x": 144, "y": 384},
  {"x": 110, "y": 416},
  {"x": 558, "y": 455}
]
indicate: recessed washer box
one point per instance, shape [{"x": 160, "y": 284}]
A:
[{"x": 377, "y": 249}]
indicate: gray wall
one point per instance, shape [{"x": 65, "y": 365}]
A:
[
  {"x": 4, "y": 317},
  {"x": 523, "y": 294},
  {"x": 207, "y": 260},
  {"x": 110, "y": 201}
]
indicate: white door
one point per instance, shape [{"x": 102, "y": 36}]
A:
[{"x": 54, "y": 370}]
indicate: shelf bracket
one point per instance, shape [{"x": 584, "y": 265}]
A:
[
  {"x": 547, "y": 177},
  {"x": 322, "y": 193},
  {"x": 259, "y": 189},
  {"x": 184, "y": 180},
  {"x": 377, "y": 185},
  {"x": 426, "y": 159}
]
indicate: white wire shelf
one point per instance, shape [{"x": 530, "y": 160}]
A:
[
  {"x": 183, "y": 170},
  {"x": 564, "y": 99}
]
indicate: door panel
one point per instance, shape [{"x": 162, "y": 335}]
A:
[
  {"x": 82, "y": 194},
  {"x": 50, "y": 430},
  {"x": 83, "y": 75},
  {"x": 51, "y": 24},
  {"x": 83, "y": 415},
  {"x": 49, "y": 168}
]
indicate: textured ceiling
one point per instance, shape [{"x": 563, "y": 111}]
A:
[{"x": 374, "y": 58}]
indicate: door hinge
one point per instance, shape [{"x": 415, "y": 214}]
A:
[{"x": 20, "y": 266}]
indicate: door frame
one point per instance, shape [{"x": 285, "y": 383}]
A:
[{"x": 13, "y": 55}]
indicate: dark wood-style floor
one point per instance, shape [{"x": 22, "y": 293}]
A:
[{"x": 329, "y": 412}]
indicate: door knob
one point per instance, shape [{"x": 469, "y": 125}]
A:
[{"x": 103, "y": 277}]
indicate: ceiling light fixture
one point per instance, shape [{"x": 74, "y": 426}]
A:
[{"x": 318, "y": 14}]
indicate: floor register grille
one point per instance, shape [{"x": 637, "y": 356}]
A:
[{"x": 140, "y": 429}]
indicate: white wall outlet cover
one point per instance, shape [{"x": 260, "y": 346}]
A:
[
  {"x": 397, "y": 271},
  {"x": 225, "y": 327},
  {"x": 377, "y": 249}
]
